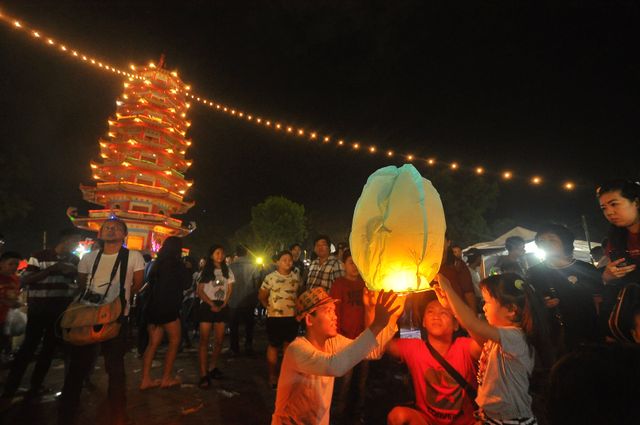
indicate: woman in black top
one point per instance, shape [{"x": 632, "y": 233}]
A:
[{"x": 168, "y": 277}]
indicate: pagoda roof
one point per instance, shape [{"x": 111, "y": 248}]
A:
[{"x": 90, "y": 193}]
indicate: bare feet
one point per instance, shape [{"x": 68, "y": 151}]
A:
[
  {"x": 149, "y": 383},
  {"x": 170, "y": 382}
]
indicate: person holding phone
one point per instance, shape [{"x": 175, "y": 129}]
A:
[{"x": 620, "y": 203}]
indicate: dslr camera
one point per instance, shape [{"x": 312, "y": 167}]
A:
[{"x": 91, "y": 297}]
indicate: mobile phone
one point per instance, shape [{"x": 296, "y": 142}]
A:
[{"x": 616, "y": 255}]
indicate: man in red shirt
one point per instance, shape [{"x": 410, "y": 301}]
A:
[
  {"x": 349, "y": 289},
  {"x": 440, "y": 400}
]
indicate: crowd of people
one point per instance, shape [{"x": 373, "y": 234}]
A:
[{"x": 551, "y": 343}]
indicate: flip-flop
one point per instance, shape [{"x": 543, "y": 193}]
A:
[
  {"x": 154, "y": 384},
  {"x": 175, "y": 383}
]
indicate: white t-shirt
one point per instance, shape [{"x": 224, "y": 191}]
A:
[
  {"x": 100, "y": 282},
  {"x": 503, "y": 376},
  {"x": 217, "y": 288},
  {"x": 305, "y": 385},
  {"x": 282, "y": 293}
]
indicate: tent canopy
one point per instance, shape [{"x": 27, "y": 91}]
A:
[
  {"x": 526, "y": 234},
  {"x": 581, "y": 248}
]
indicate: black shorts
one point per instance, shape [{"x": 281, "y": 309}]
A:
[
  {"x": 281, "y": 330},
  {"x": 206, "y": 315}
]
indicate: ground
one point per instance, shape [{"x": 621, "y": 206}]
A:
[{"x": 243, "y": 397}]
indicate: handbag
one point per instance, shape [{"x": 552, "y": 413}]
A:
[
  {"x": 621, "y": 320},
  {"x": 83, "y": 323},
  {"x": 471, "y": 392}
]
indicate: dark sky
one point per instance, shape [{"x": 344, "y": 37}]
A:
[{"x": 536, "y": 87}]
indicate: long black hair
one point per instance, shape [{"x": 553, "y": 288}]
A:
[
  {"x": 168, "y": 256},
  {"x": 209, "y": 267},
  {"x": 511, "y": 291}
]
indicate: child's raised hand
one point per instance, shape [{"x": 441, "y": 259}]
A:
[{"x": 444, "y": 282}]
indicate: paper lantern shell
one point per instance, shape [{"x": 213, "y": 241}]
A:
[{"x": 397, "y": 234}]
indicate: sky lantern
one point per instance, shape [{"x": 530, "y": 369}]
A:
[{"x": 397, "y": 234}]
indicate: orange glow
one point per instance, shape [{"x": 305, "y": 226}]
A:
[
  {"x": 536, "y": 180},
  {"x": 479, "y": 170},
  {"x": 454, "y": 166},
  {"x": 507, "y": 175},
  {"x": 389, "y": 153}
]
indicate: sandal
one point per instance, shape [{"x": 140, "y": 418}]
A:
[{"x": 205, "y": 382}]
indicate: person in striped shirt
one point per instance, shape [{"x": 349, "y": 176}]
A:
[{"x": 49, "y": 281}]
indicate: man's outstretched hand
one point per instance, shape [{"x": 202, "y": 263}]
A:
[{"x": 384, "y": 311}]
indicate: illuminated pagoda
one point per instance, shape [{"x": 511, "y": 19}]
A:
[{"x": 140, "y": 175}]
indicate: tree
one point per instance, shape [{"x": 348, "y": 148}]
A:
[
  {"x": 466, "y": 200},
  {"x": 277, "y": 222}
]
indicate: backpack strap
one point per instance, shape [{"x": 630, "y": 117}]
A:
[
  {"x": 123, "y": 255},
  {"x": 471, "y": 392}
]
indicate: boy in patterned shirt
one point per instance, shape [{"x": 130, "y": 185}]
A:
[{"x": 278, "y": 295}]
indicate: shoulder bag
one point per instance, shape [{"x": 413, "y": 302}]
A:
[{"x": 84, "y": 323}]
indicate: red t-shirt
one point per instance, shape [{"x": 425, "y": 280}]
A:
[
  {"x": 438, "y": 395},
  {"x": 350, "y": 309},
  {"x": 633, "y": 246},
  {"x": 9, "y": 289},
  {"x": 460, "y": 278}
]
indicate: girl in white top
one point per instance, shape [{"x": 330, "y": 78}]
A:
[
  {"x": 214, "y": 290},
  {"x": 515, "y": 325}
]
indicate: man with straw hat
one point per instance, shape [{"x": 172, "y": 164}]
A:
[{"x": 312, "y": 361}]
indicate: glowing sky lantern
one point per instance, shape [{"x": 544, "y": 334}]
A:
[{"x": 397, "y": 234}]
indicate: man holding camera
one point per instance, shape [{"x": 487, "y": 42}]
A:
[{"x": 99, "y": 280}]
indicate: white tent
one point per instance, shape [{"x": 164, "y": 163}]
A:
[
  {"x": 526, "y": 234},
  {"x": 496, "y": 246}
]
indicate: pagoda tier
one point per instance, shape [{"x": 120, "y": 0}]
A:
[{"x": 140, "y": 174}]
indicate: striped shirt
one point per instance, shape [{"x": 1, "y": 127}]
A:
[{"x": 56, "y": 287}]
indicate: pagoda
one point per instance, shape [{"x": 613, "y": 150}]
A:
[{"x": 139, "y": 177}]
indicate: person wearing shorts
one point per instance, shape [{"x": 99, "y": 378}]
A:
[
  {"x": 278, "y": 294},
  {"x": 214, "y": 290}
]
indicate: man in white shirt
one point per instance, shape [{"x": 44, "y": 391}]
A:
[
  {"x": 99, "y": 281},
  {"x": 312, "y": 361}
]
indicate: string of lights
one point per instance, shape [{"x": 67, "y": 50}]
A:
[{"x": 275, "y": 124}]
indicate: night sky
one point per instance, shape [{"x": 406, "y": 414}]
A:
[{"x": 536, "y": 87}]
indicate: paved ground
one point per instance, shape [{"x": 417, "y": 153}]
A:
[{"x": 243, "y": 397}]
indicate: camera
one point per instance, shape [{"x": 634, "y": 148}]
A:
[{"x": 91, "y": 297}]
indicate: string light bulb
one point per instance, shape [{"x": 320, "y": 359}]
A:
[
  {"x": 60, "y": 47},
  {"x": 454, "y": 165}
]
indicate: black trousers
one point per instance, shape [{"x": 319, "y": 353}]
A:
[
  {"x": 42, "y": 326},
  {"x": 81, "y": 361},
  {"x": 236, "y": 316}
]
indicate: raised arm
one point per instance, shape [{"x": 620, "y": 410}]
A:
[{"x": 479, "y": 329}]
